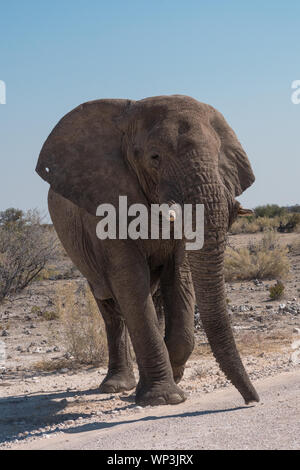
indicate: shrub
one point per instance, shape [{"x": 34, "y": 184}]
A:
[
  {"x": 294, "y": 220},
  {"x": 25, "y": 249},
  {"x": 294, "y": 247},
  {"x": 263, "y": 260},
  {"x": 276, "y": 292},
  {"x": 254, "y": 225},
  {"x": 270, "y": 210},
  {"x": 50, "y": 315},
  {"x": 83, "y": 329},
  {"x": 12, "y": 217}
]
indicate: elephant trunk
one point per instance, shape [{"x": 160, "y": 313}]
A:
[{"x": 207, "y": 267}]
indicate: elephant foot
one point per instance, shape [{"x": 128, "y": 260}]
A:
[
  {"x": 116, "y": 382},
  {"x": 178, "y": 373},
  {"x": 159, "y": 394}
]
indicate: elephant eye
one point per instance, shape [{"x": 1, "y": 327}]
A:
[{"x": 155, "y": 160}]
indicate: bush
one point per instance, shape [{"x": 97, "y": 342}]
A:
[
  {"x": 276, "y": 292},
  {"x": 264, "y": 260},
  {"x": 270, "y": 210},
  {"x": 12, "y": 217},
  {"x": 263, "y": 224},
  {"x": 83, "y": 329},
  {"x": 26, "y": 246},
  {"x": 254, "y": 225}
]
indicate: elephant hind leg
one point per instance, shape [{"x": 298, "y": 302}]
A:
[{"x": 120, "y": 376}]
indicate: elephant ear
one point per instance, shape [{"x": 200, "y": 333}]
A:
[
  {"x": 82, "y": 157},
  {"x": 234, "y": 166}
]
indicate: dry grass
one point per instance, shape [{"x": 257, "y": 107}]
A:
[
  {"x": 248, "y": 343},
  {"x": 295, "y": 247},
  {"x": 48, "y": 365},
  {"x": 83, "y": 329},
  {"x": 200, "y": 372},
  {"x": 264, "y": 224},
  {"x": 201, "y": 349},
  {"x": 263, "y": 260},
  {"x": 255, "y": 343},
  {"x": 250, "y": 225}
]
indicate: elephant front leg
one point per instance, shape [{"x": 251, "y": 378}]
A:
[
  {"x": 179, "y": 304},
  {"x": 156, "y": 385},
  {"x": 120, "y": 376}
]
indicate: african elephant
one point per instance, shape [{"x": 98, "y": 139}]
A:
[{"x": 162, "y": 149}]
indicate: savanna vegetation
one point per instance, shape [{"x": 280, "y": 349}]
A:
[{"x": 270, "y": 217}]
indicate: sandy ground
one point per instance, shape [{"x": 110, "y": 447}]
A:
[
  {"x": 63, "y": 408},
  {"x": 215, "y": 421}
]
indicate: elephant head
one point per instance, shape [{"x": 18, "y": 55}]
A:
[{"x": 161, "y": 149}]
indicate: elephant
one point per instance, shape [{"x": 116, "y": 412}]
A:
[{"x": 163, "y": 149}]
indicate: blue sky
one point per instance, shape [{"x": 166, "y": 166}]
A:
[{"x": 239, "y": 56}]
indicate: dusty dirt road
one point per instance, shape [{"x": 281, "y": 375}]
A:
[{"x": 217, "y": 420}]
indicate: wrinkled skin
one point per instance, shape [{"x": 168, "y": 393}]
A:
[{"x": 164, "y": 149}]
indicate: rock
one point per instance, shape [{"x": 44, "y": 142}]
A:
[
  {"x": 4, "y": 333},
  {"x": 295, "y": 357},
  {"x": 296, "y": 330},
  {"x": 37, "y": 350},
  {"x": 69, "y": 422},
  {"x": 296, "y": 345},
  {"x": 243, "y": 308}
]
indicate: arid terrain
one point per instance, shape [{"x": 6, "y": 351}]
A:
[{"x": 44, "y": 394}]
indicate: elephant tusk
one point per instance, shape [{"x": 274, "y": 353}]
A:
[
  {"x": 245, "y": 212},
  {"x": 172, "y": 216}
]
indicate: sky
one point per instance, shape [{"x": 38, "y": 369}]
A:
[{"x": 240, "y": 57}]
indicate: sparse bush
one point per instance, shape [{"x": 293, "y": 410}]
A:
[
  {"x": 244, "y": 225},
  {"x": 83, "y": 329},
  {"x": 25, "y": 249},
  {"x": 50, "y": 315},
  {"x": 277, "y": 291},
  {"x": 263, "y": 260},
  {"x": 254, "y": 225}
]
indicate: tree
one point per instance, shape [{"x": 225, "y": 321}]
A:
[
  {"x": 11, "y": 217},
  {"x": 26, "y": 246}
]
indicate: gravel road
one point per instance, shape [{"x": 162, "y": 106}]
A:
[{"x": 217, "y": 420}]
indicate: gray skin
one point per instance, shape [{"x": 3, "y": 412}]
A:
[{"x": 163, "y": 149}]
